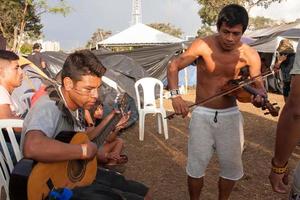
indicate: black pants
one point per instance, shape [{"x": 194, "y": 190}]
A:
[{"x": 110, "y": 185}]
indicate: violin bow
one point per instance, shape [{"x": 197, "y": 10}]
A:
[{"x": 228, "y": 91}]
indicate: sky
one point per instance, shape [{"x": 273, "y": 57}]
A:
[{"x": 86, "y": 16}]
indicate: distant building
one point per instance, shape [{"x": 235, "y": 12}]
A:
[{"x": 50, "y": 46}]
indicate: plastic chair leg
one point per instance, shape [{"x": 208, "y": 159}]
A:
[
  {"x": 159, "y": 118},
  {"x": 141, "y": 126},
  {"x": 165, "y": 126}
]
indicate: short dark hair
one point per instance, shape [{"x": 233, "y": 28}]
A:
[
  {"x": 81, "y": 63},
  {"x": 37, "y": 46},
  {"x": 233, "y": 14},
  {"x": 8, "y": 55}
]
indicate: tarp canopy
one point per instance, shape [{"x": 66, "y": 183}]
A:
[
  {"x": 120, "y": 68},
  {"x": 269, "y": 38},
  {"x": 139, "y": 35},
  {"x": 288, "y": 30},
  {"x": 153, "y": 59}
]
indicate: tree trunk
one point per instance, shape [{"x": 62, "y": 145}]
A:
[{"x": 21, "y": 30}]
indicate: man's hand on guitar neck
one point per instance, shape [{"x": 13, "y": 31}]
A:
[{"x": 123, "y": 121}]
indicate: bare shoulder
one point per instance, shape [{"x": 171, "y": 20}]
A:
[
  {"x": 199, "y": 46},
  {"x": 250, "y": 53}
]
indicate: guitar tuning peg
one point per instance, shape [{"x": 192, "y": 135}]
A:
[
  {"x": 267, "y": 113},
  {"x": 274, "y": 104}
]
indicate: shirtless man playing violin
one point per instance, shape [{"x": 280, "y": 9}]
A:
[{"x": 217, "y": 125}]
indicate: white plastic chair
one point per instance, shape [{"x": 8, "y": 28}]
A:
[
  {"x": 4, "y": 179},
  {"x": 148, "y": 86},
  {"x": 9, "y": 124},
  {"x": 26, "y": 99}
]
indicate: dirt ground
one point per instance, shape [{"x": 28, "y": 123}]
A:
[{"x": 160, "y": 163}]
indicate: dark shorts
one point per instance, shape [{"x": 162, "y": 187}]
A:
[
  {"x": 286, "y": 88},
  {"x": 110, "y": 185}
]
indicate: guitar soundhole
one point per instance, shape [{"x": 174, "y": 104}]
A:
[{"x": 76, "y": 170}]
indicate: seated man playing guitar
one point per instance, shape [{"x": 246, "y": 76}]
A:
[{"x": 81, "y": 78}]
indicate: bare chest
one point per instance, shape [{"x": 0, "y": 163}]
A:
[{"x": 221, "y": 65}]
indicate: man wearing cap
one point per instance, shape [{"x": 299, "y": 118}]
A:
[{"x": 37, "y": 58}]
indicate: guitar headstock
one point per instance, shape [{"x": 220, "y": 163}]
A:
[
  {"x": 121, "y": 103},
  {"x": 272, "y": 108}
]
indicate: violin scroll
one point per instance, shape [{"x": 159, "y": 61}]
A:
[{"x": 271, "y": 107}]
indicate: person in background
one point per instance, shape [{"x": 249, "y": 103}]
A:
[
  {"x": 11, "y": 76},
  {"x": 287, "y": 137},
  {"x": 37, "y": 58},
  {"x": 284, "y": 61},
  {"x": 109, "y": 154}
]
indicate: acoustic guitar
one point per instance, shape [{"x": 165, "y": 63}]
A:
[{"x": 33, "y": 181}]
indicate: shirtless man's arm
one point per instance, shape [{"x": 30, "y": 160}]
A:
[
  {"x": 255, "y": 70},
  {"x": 177, "y": 64}
]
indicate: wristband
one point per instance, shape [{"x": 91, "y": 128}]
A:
[
  {"x": 174, "y": 93},
  {"x": 84, "y": 151},
  {"x": 279, "y": 170}
]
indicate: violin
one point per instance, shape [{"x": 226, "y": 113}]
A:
[
  {"x": 242, "y": 90},
  {"x": 244, "y": 94}
]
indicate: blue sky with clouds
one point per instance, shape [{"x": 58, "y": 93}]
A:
[{"x": 87, "y": 15}]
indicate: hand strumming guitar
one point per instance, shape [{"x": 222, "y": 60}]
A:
[{"x": 91, "y": 151}]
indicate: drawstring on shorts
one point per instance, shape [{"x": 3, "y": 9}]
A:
[{"x": 215, "y": 118}]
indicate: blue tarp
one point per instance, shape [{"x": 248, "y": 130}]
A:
[{"x": 192, "y": 76}]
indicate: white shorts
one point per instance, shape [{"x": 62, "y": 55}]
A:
[{"x": 219, "y": 130}]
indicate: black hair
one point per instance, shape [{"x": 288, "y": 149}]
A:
[
  {"x": 233, "y": 14},
  {"x": 8, "y": 55},
  {"x": 37, "y": 46},
  {"x": 81, "y": 63}
]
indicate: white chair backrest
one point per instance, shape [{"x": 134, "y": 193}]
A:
[
  {"x": 9, "y": 124},
  {"x": 4, "y": 179},
  {"x": 26, "y": 98},
  {"x": 112, "y": 84},
  {"x": 148, "y": 87}
]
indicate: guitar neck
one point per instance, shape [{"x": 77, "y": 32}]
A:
[{"x": 99, "y": 140}]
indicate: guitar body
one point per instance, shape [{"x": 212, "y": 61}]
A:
[{"x": 44, "y": 176}]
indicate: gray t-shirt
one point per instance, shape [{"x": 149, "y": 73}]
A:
[
  {"x": 296, "y": 66},
  {"x": 45, "y": 116}
]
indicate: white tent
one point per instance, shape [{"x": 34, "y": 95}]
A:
[{"x": 139, "y": 35}]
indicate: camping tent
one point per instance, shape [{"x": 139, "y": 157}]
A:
[
  {"x": 267, "y": 42},
  {"x": 139, "y": 35},
  {"x": 267, "y": 39}
]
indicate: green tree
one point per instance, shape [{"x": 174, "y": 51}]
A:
[
  {"x": 261, "y": 22},
  {"x": 26, "y": 48},
  {"x": 204, "y": 31},
  {"x": 21, "y": 18},
  {"x": 97, "y": 36},
  {"x": 167, "y": 28},
  {"x": 210, "y": 8}
]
